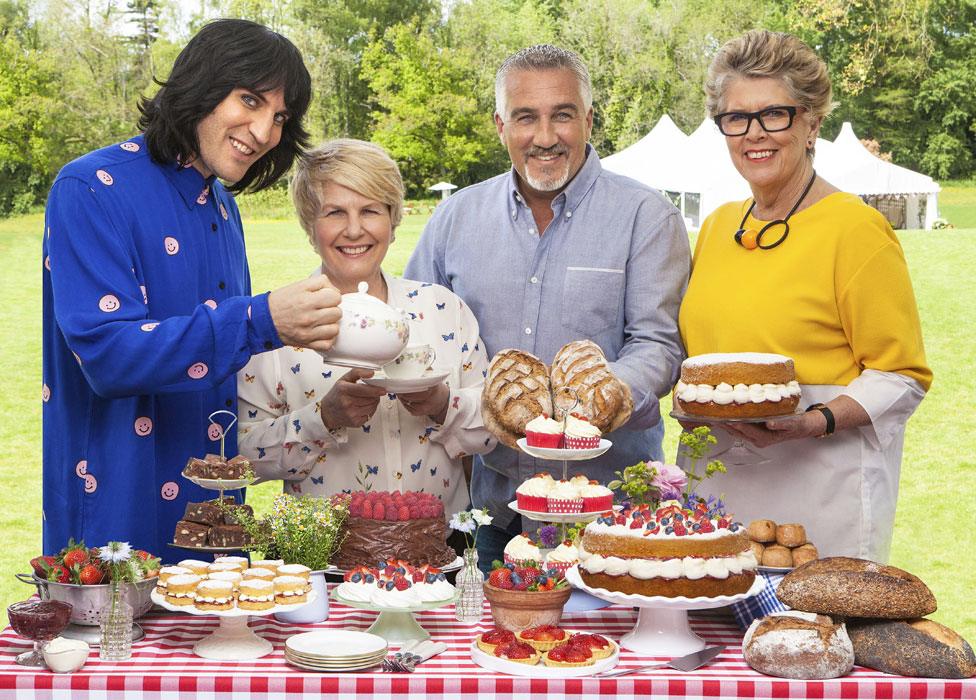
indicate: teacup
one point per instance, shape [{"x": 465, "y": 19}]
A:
[{"x": 411, "y": 363}]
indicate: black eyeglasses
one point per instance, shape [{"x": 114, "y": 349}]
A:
[{"x": 778, "y": 118}]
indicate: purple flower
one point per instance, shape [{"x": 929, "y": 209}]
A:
[
  {"x": 669, "y": 480},
  {"x": 548, "y": 536}
]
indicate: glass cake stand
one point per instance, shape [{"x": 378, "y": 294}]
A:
[
  {"x": 233, "y": 640},
  {"x": 395, "y": 625},
  {"x": 662, "y": 624}
]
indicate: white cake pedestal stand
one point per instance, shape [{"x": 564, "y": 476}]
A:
[
  {"x": 662, "y": 627},
  {"x": 233, "y": 640},
  {"x": 395, "y": 625}
]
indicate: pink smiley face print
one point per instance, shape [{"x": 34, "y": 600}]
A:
[
  {"x": 45, "y": 393},
  {"x": 104, "y": 177},
  {"x": 47, "y": 263},
  {"x": 211, "y": 303},
  {"x": 91, "y": 483},
  {"x": 223, "y": 212},
  {"x": 109, "y": 303},
  {"x": 169, "y": 491},
  {"x": 215, "y": 432},
  {"x": 197, "y": 370},
  {"x": 172, "y": 245},
  {"x": 148, "y": 326},
  {"x": 143, "y": 426},
  {"x": 81, "y": 469},
  {"x": 129, "y": 146}
]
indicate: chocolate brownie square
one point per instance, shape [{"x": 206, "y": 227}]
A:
[
  {"x": 208, "y": 513},
  {"x": 189, "y": 534},
  {"x": 198, "y": 468},
  {"x": 231, "y": 516},
  {"x": 227, "y": 536}
]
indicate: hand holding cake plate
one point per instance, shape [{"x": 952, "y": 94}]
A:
[
  {"x": 662, "y": 624},
  {"x": 233, "y": 639}
]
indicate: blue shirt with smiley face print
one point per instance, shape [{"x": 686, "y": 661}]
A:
[{"x": 148, "y": 315}]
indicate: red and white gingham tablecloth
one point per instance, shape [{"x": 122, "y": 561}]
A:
[{"x": 163, "y": 666}]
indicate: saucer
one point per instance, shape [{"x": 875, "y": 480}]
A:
[{"x": 406, "y": 386}]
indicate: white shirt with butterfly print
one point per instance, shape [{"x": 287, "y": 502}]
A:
[{"x": 281, "y": 432}]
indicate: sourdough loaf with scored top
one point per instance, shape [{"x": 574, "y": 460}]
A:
[
  {"x": 855, "y": 588},
  {"x": 516, "y": 391},
  {"x": 580, "y": 369},
  {"x": 796, "y": 644}
]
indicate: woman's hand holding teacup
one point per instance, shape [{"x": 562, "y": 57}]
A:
[
  {"x": 429, "y": 402},
  {"x": 350, "y": 404}
]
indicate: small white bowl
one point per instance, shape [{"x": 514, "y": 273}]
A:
[{"x": 66, "y": 660}]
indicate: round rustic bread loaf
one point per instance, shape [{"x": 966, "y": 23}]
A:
[
  {"x": 762, "y": 531},
  {"x": 777, "y": 555},
  {"x": 803, "y": 554},
  {"x": 798, "y": 645},
  {"x": 580, "y": 371},
  {"x": 791, "y": 535},
  {"x": 855, "y": 588},
  {"x": 918, "y": 648},
  {"x": 516, "y": 391}
]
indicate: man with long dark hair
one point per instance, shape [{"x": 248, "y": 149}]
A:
[{"x": 148, "y": 311}]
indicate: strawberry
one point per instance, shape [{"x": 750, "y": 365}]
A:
[
  {"x": 75, "y": 556},
  {"x": 42, "y": 565},
  {"x": 514, "y": 650},
  {"x": 90, "y": 575},
  {"x": 401, "y": 583},
  {"x": 500, "y": 578},
  {"x": 403, "y": 513},
  {"x": 528, "y": 572},
  {"x": 59, "y": 574}
]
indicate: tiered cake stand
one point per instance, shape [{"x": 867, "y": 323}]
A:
[
  {"x": 233, "y": 639},
  {"x": 218, "y": 485},
  {"x": 662, "y": 624},
  {"x": 579, "y": 600}
]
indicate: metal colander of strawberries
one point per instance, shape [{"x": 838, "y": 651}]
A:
[{"x": 80, "y": 565}]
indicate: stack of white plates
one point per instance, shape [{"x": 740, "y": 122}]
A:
[{"x": 335, "y": 650}]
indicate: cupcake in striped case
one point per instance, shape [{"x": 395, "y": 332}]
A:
[
  {"x": 580, "y": 434},
  {"x": 531, "y": 494},
  {"x": 597, "y": 498},
  {"x": 543, "y": 431},
  {"x": 564, "y": 498},
  {"x": 562, "y": 557},
  {"x": 520, "y": 550}
]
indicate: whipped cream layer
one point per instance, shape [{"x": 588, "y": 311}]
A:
[
  {"x": 417, "y": 594},
  {"x": 725, "y": 394},
  {"x": 723, "y": 358},
  {"x": 686, "y": 567}
]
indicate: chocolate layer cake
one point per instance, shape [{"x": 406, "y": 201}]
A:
[{"x": 420, "y": 541}]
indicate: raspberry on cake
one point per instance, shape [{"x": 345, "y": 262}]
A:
[
  {"x": 543, "y": 637},
  {"x": 543, "y": 431},
  {"x": 517, "y": 651},
  {"x": 392, "y": 525},
  {"x": 488, "y": 641},
  {"x": 737, "y": 385},
  {"x": 521, "y": 550},
  {"x": 568, "y": 656},
  {"x": 671, "y": 551}
]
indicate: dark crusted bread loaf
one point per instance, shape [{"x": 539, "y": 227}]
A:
[
  {"x": 920, "y": 648},
  {"x": 580, "y": 369},
  {"x": 855, "y": 588},
  {"x": 516, "y": 391},
  {"x": 798, "y": 645}
]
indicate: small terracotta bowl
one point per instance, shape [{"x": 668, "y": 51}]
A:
[{"x": 518, "y": 610}]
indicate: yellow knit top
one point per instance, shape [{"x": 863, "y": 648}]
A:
[{"x": 835, "y": 295}]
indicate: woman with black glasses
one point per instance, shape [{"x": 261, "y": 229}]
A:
[{"x": 804, "y": 270}]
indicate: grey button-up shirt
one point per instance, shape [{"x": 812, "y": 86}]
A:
[{"x": 611, "y": 267}]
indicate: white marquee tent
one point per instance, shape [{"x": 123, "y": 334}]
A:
[{"x": 697, "y": 172}]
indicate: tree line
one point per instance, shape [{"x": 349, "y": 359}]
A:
[{"x": 417, "y": 76}]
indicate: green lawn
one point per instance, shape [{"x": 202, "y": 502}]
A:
[
  {"x": 957, "y": 203},
  {"x": 934, "y": 528}
]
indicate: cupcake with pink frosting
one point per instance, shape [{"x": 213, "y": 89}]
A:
[
  {"x": 564, "y": 498},
  {"x": 531, "y": 494},
  {"x": 520, "y": 550}
]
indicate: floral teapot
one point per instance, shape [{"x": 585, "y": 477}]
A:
[{"x": 371, "y": 333}]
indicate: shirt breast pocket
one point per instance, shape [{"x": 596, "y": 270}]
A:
[{"x": 591, "y": 299}]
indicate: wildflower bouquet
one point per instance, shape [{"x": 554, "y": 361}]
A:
[
  {"x": 469, "y": 522},
  {"x": 299, "y": 529}
]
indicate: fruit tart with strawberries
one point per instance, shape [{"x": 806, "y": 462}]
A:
[
  {"x": 517, "y": 651},
  {"x": 493, "y": 638},
  {"x": 543, "y": 637},
  {"x": 569, "y": 655},
  {"x": 600, "y": 646}
]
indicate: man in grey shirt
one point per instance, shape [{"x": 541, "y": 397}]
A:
[{"x": 555, "y": 250}]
